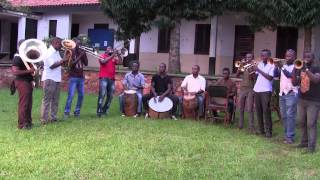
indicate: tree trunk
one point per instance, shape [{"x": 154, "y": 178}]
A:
[
  {"x": 307, "y": 38},
  {"x": 174, "y": 52}
]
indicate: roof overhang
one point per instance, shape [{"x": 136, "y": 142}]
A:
[{"x": 12, "y": 13}]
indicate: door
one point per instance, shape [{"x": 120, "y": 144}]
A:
[
  {"x": 243, "y": 44},
  {"x": 287, "y": 38}
]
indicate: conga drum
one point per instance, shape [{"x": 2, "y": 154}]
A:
[
  {"x": 190, "y": 105},
  {"x": 160, "y": 110},
  {"x": 130, "y": 102}
]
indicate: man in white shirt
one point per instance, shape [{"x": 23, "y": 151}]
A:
[
  {"x": 263, "y": 90},
  {"x": 288, "y": 95},
  {"x": 51, "y": 78},
  {"x": 195, "y": 84}
]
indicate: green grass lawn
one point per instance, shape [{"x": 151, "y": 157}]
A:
[{"x": 114, "y": 147}]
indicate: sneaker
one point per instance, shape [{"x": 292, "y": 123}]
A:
[
  {"x": 174, "y": 117},
  {"x": 123, "y": 115},
  {"x": 66, "y": 116},
  {"x": 136, "y": 115},
  {"x": 146, "y": 116},
  {"x": 302, "y": 146},
  {"x": 288, "y": 141}
]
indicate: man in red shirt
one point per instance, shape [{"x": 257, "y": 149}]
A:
[{"x": 106, "y": 79}]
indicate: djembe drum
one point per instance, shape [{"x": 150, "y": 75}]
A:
[
  {"x": 190, "y": 105},
  {"x": 160, "y": 110},
  {"x": 130, "y": 102}
]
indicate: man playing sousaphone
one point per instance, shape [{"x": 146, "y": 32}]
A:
[
  {"x": 194, "y": 85},
  {"x": 307, "y": 76},
  {"x": 161, "y": 85},
  {"x": 133, "y": 82}
]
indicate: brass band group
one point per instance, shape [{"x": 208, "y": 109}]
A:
[{"x": 299, "y": 96}]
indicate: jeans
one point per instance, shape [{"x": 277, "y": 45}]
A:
[
  {"x": 288, "y": 109},
  {"x": 308, "y": 112},
  {"x": 262, "y": 102},
  {"x": 106, "y": 88},
  {"x": 139, "y": 108},
  {"x": 75, "y": 82}
]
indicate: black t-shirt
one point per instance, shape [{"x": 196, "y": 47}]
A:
[
  {"x": 314, "y": 92},
  {"x": 161, "y": 83},
  {"x": 17, "y": 61}
]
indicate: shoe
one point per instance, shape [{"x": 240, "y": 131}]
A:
[
  {"x": 288, "y": 141},
  {"x": 302, "y": 146},
  {"x": 136, "y": 115},
  {"x": 174, "y": 117},
  {"x": 123, "y": 115},
  {"x": 99, "y": 115},
  {"x": 76, "y": 115},
  {"x": 146, "y": 116},
  {"x": 43, "y": 122},
  {"x": 311, "y": 150},
  {"x": 268, "y": 135},
  {"x": 66, "y": 116}
]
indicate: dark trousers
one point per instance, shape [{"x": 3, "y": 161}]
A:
[
  {"x": 173, "y": 98},
  {"x": 25, "y": 103},
  {"x": 246, "y": 103},
  {"x": 262, "y": 102},
  {"x": 308, "y": 112}
]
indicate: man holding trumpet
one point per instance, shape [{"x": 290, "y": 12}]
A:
[
  {"x": 246, "y": 93},
  {"x": 108, "y": 62},
  {"x": 288, "y": 94},
  {"x": 307, "y": 76}
]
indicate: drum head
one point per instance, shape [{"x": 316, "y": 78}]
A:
[
  {"x": 164, "y": 106},
  {"x": 130, "y": 91}
]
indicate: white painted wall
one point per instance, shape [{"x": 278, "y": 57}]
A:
[
  {"x": 22, "y": 28},
  {"x": 149, "y": 40},
  {"x": 63, "y": 25}
]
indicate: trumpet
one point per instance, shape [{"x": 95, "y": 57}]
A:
[
  {"x": 299, "y": 64},
  {"x": 245, "y": 65},
  {"x": 274, "y": 60}
]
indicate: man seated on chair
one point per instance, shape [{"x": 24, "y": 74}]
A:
[
  {"x": 195, "y": 84},
  {"x": 133, "y": 80},
  {"x": 231, "y": 89},
  {"x": 161, "y": 85}
]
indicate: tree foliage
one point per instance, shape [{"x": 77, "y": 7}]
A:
[
  {"x": 137, "y": 16},
  {"x": 7, "y": 5}
]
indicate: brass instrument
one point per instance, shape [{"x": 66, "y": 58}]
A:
[
  {"x": 68, "y": 45},
  {"x": 32, "y": 51},
  {"x": 273, "y": 60},
  {"x": 298, "y": 64},
  {"x": 244, "y": 65},
  {"x": 123, "y": 52}
]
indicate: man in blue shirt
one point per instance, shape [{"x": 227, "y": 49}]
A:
[{"x": 133, "y": 80}]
